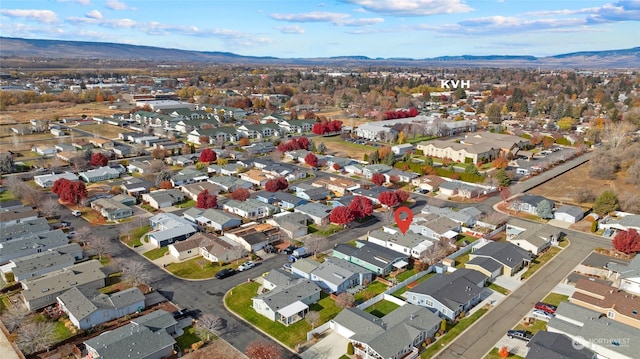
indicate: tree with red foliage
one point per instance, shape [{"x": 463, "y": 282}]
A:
[
  {"x": 403, "y": 196},
  {"x": 303, "y": 143},
  {"x": 394, "y": 178},
  {"x": 165, "y": 185},
  {"x": 336, "y": 167},
  {"x": 293, "y": 145},
  {"x": 311, "y": 159},
  {"x": 627, "y": 241},
  {"x": 504, "y": 353},
  {"x": 240, "y": 194},
  {"x": 505, "y": 193},
  {"x": 378, "y": 179},
  {"x": 204, "y": 140},
  {"x": 206, "y": 200},
  {"x": 361, "y": 207},
  {"x": 98, "y": 159},
  {"x": 261, "y": 349},
  {"x": 341, "y": 215},
  {"x": 69, "y": 191},
  {"x": 276, "y": 184},
  {"x": 389, "y": 198},
  {"x": 321, "y": 128},
  {"x": 208, "y": 155}
]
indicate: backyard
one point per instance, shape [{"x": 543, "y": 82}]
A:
[
  {"x": 382, "y": 308},
  {"x": 371, "y": 291},
  {"x": 187, "y": 338}
]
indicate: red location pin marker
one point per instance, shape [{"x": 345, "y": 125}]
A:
[{"x": 403, "y": 221}]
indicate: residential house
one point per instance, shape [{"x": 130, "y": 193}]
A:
[
  {"x": 47, "y": 181},
  {"x": 229, "y": 184},
  {"x": 400, "y": 150},
  {"x": 85, "y": 312},
  {"x": 44, "y": 150},
  {"x": 296, "y": 155},
  {"x": 627, "y": 222},
  {"x": 372, "y": 193},
  {"x": 460, "y": 189},
  {"x": 297, "y": 126},
  {"x": 31, "y": 244},
  {"x": 281, "y": 199},
  {"x": 168, "y": 228},
  {"x": 399, "y": 334},
  {"x": 101, "y": 142},
  {"x": 430, "y": 183},
  {"x": 24, "y": 228},
  {"x": 42, "y": 291},
  {"x": 435, "y": 227},
  {"x": 187, "y": 176},
  {"x": 182, "y": 160},
  {"x": 292, "y": 225},
  {"x": 336, "y": 275},
  {"x": 528, "y": 203},
  {"x": 255, "y": 176},
  {"x": 212, "y": 218},
  {"x": 250, "y": 208},
  {"x": 278, "y": 277},
  {"x": 598, "y": 333},
  {"x": 628, "y": 275},
  {"x": 259, "y": 148},
  {"x": 146, "y": 337},
  {"x": 99, "y": 174},
  {"x": 230, "y": 169},
  {"x": 369, "y": 170},
  {"x": 337, "y": 185},
  {"x": 449, "y": 294},
  {"x": 374, "y": 257},
  {"x": 210, "y": 247},
  {"x": 142, "y": 167},
  {"x": 163, "y": 198},
  {"x": 319, "y": 213},
  {"x": 303, "y": 267},
  {"x": 545, "y": 345},
  {"x": 39, "y": 264},
  {"x": 311, "y": 193},
  {"x": 396, "y": 175},
  {"x": 534, "y": 237},
  {"x": 615, "y": 304},
  {"x": 136, "y": 187},
  {"x": 112, "y": 209},
  {"x": 260, "y": 131},
  {"x": 567, "y": 213},
  {"x": 289, "y": 303},
  {"x": 409, "y": 243},
  {"x": 10, "y": 217},
  {"x": 510, "y": 257},
  {"x": 338, "y": 164},
  {"x": 215, "y": 135},
  {"x": 254, "y": 237},
  {"x": 343, "y": 201},
  {"x": 466, "y": 216},
  {"x": 193, "y": 190}
]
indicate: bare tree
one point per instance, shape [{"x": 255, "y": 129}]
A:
[
  {"x": 345, "y": 300},
  {"x": 14, "y": 317},
  {"x": 49, "y": 207},
  {"x": 134, "y": 272},
  {"x": 99, "y": 245},
  {"x": 83, "y": 234},
  {"x": 35, "y": 336},
  {"x": 261, "y": 349},
  {"x": 313, "y": 318},
  {"x": 124, "y": 230},
  {"x": 616, "y": 134},
  {"x": 202, "y": 262},
  {"x": 209, "y": 323},
  {"x": 316, "y": 244}
]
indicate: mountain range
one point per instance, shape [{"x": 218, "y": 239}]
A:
[{"x": 58, "y": 49}]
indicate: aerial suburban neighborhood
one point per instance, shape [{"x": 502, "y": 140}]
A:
[{"x": 152, "y": 210}]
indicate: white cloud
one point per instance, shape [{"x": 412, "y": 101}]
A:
[
  {"x": 335, "y": 18},
  {"x": 44, "y": 16},
  {"x": 94, "y": 14},
  {"x": 117, "y": 5},
  {"x": 81, "y": 2},
  {"x": 292, "y": 29},
  {"x": 412, "y": 7}
]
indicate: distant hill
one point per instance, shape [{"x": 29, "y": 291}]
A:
[{"x": 57, "y": 49}]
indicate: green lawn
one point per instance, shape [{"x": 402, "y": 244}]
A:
[
  {"x": 325, "y": 230},
  {"x": 540, "y": 261},
  {"x": 463, "y": 237},
  {"x": 187, "y": 338},
  {"x": 452, "y": 333},
  {"x": 372, "y": 290},
  {"x": 555, "y": 299},
  {"x": 499, "y": 289},
  {"x": 156, "y": 253},
  {"x": 418, "y": 139},
  {"x": 239, "y": 301},
  {"x": 186, "y": 204},
  {"x": 105, "y": 260},
  {"x": 191, "y": 269},
  {"x": 460, "y": 261},
  {"x": 6, "y": 196},
  {"x": 495, "y": 354},
  {"x": 537, "y": 326},
  {"x": 401, "y": 291},
  {"x": 382, "y": 308},
  {"x": 133, "y": 239},
  {"x": 61, "y": 331},
  {"x": 405, "y": 275}
]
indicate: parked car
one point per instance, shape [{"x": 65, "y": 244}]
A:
[
  {"x": 246, "y": 265},
  {"x": 541, "y": 315},
  {"x": 182, "y": 313},
  {"x": 227, "y": 272},
  {"x": 289, "y": 250},
  {"x": 287, "y": 267},
  {"x": 76, "y": 213},
  {"x": 546, "y": 307},
  {"x": 520, "y": 334}
]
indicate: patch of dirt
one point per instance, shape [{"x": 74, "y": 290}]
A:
[
  {"x": 50, "y": 110},
  {"x": 217, "y": 349}
]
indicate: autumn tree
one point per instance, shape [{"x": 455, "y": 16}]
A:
[
  {"x": 69, "y": 191},
  {"x": 208, "y": 155},
  {"x": 378, "y": 179},
  {"x": 98, "y": 159},
  {"x": 276, "y": 184},
  {"x": 206, "y": 200},
  {"x": 341, "y": 215},
  {"x": 345, "y": 300},
  {"x": 261, "y": 349},
  {"x": 165, "y": 185},
  {"x": 403, "y": 195},
  {"x": 361, "y": 207},
  {"x": 158, "y": 153},
  {"x": 389, "y": 198},
  {"x": 311, "y": 159},
  {"x": 627, "y": 241},
  {"x": 501, "y": 162},
  {"x": 240, "y": 194},
  {"x": 504, "y": 352},
  {"x": 244, "y": 141},
  {"x": 605, "y": 203},
  {"x": 505, "y": 193}
]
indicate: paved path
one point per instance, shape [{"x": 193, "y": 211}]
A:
[{"x": 489, "y": 329}]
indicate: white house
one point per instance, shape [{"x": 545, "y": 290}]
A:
[{"x": 47, "y": 181}]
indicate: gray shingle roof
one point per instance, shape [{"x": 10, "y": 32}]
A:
[
  {"x": 487, "y": 263},
  {"x": 281, "y": 297},
  {"x": 371, "y": 253},
  {"x": 548, "y": 345},
  {"x": 507, "y": 254},
  {"x": 314, "y": 209}
]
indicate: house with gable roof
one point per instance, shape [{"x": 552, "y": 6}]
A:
[
  {"x": 374, "y": 257},
  {"x": 628, "y": 275},
  {"x": 411, "y": 244},
  {"x": 534, "y": 237},
  {"x": 288, "y": 304},
  {"x": 319, "y": 213},
  {"x": 99, "y": 174},
  {"x": 510, "y": 259}
]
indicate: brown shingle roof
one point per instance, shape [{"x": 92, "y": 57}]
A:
[{"x": 607, "y": 297}]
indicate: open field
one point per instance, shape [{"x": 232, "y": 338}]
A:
[
  {"x": 339, "y": 147},
  {"x": 108, "y": 131},
  {"x": 51, "y": 110}
]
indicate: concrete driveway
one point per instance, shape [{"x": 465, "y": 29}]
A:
[
  {"x": 330, "y": 347},
  {"x": 507, "y": 282},
  {"x": 514, "y": 346}
]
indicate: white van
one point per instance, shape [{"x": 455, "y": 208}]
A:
[{"x": 76, "y": 213}]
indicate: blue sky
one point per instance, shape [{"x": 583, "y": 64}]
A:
[{"x": 303, "y": 28}]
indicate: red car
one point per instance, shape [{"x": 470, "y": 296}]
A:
[{"x": 549, "y": 308}]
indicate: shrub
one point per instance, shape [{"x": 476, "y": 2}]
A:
[
  {"x": 350, "y": 350},
  {"x": 594, "y": 226}
]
